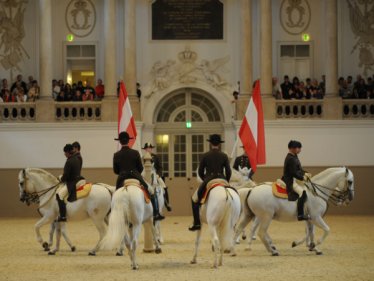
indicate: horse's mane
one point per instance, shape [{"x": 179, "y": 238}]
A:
[
  {"x": 327, "y": 172},
  {"x": 41, "y": 172}
]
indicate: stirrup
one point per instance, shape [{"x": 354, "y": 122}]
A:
[
  {"x": 158, "y": 217},
  {"x": 61, "y": 219},
  {"x": 303, "y": 217},
  {"x": 194, "y": 227}
]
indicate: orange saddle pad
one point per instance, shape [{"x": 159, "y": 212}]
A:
[
  {"x": 212, "y": 184},
  {"x": 279, "y": 189},
  {"x": 135, "y": 182},
  {"x": 84, "y": 190}
]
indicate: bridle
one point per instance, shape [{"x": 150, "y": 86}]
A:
[
  {"x": 33, "y": 197},
  {"x": 336, "y": 196}
]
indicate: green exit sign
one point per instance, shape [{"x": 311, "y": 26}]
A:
[{"x": 188, "y": 124}]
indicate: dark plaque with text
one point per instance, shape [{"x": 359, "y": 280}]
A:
[{"x": 187, "y": 19}]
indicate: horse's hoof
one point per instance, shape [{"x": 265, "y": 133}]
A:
[
  {"x": 293, "y": 244},
  {"x": 227, "y": 251},
  {"x": 91, "y": 253},
  {"x": 135, "y": 267},
  {"x": 45, "y": 246},
  {"x": 73, "y": 249},
  {"x": 51, "y": 253},
  {"x": 254, "y": 238},
  {"x": 275, "y": 254},
  {"x": 312, "y": 246},
  {"x": 158, "y": 251},
  {"x": 237, "y": 242},
  {"x": 193, "y": 262},
  {"x": 233, "y": 254},
  {"x": 118, "y": 254},
  {"x": 244, "y": 237},
  {"x": 319, "y": 253},
  {"x": 273, "y": 248}
]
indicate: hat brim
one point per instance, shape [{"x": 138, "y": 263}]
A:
[
  {"x": 148, "y": 147},
  {"x": 119, "y": 139},
  {"x": 212, "y": 141}
]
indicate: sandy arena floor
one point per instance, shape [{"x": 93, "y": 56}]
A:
[{"x": 348, "y": 254}]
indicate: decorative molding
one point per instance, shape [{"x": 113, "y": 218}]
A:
[
  {"x": 80, "y": 17},
  {"x": 12, "y": 33},
  {"x": 295, "y": 16},
  {"x": 361, "y": 17}
]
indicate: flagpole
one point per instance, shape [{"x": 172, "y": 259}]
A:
[{"x": 234, "y": 149}]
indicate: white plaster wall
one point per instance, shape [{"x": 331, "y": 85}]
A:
[{"x": 325, "y": 143}]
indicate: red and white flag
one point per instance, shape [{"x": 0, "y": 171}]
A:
[
  {"x": 252, "y": 131},
  {"x": 126, "y": 121}
]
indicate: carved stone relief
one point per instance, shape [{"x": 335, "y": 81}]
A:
[
  {"x": 80, "y": 17},
  {"x": 186, "y": 70},
  {"x": 361, "y": 16},
  {"x": 295, "y": 16},
  {"x": 12, "y": 33}
]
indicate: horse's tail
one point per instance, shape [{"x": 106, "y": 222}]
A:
[
  {"x": 244, "y": 194},
  {"x": 118, "y": 223},
  {"x": 226, "y": 228}
]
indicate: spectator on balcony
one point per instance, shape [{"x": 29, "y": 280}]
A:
[
  {"x": 87, "y": 96},
  {"x": 99, "y": 90},
  {"x": 344, "y": 91},
  {"x": 4, "y": 87},
  {"x": 19, "y": 83},
  {"x": 21, "y": 95},
  {"x": 316, "y": 90},
  {"x": 350, "y": 83},
  {"x": 277, "y": 91},
  {"x": 89, "y": 90},
  {"x": 29, "y": 84},
  {"x": 357, "y": 82},
  {"x": 322, "y": 84},
  {"x": 286, "y": 87},
  {"x": 297, "y": 91},
  {"x": 34, "y": 91},
  {"x": 77, "y": 96},
  {"x": 295, "y": 80},
  {"x": 79, "y": 87},
  {"x": 61, "y": 96},
  {"x": 8, "y": 97},
  {"x": 68, "y": 92},
  {"x": 360, "y": 89},
  {"x": 308, "y": 89},
  {"x": 56, "y": 89}
]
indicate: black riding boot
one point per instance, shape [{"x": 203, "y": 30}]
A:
[
  {"x": 156, "y": 212},
  {"x": 196, "y": 217},
  {"x": 300, "y": 208},
  {"x": 166, "y": 198},
  {"x": 62, "y": 208}
]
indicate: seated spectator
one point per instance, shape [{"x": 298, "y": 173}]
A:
[
  {"x": 21, "y": 96},
  {"x": 100, "y": 90},
  {"x": 19, "y": 83},
  {"x": 77, "y": 96},
  {"x": 286, "y": 87},
  {"x": 277, "y": 92},
  {"x": 68, "y": 92},
  {"x": 34, "y": 91},
  {"x": 61, "y": 96}
]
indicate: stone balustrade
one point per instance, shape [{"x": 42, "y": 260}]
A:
[
  {"x": 299, "y": 108},
  {"x": 17, "y": 111},
  {"x": 78, "y": 111},
  {"x": 358, "y": 109}
]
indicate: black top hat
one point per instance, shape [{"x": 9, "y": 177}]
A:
[
  {"x": 68, "y": 148},
  {"x": 147, "y": 145},
  {"x": 123, "y": 137},
  {"x": 215, "y": 139},
  {"x": 294, "y": 144},
  {"x": 76, "y": 144}
]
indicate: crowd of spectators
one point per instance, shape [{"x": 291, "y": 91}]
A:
[
  {"x": 19, "y": 91},
  {"x": 297, "y": 89},
  {"x": 77, "y": 91},
  {"x": 360, "y": 89}
]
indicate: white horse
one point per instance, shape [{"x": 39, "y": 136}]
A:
[
  {"x": 334, "y": 185},
  {"x": 38, "y": 185},
  {"x": 129, "y": 212},
  {"x": 221, "y": 212}
]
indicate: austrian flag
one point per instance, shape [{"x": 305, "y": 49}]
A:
[
  {"x": 125, "y": 119},
  {"x": 252, "y": 131}
]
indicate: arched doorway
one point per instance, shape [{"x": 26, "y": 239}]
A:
[{"x": 183, "y": 120}]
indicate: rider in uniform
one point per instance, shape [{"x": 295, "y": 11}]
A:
[
  {"x": 293, "y": 170},
  {"x": 214, "y": 164},
  {"x": 127, "y": 164},
  {"x": 71, "y": 175},
  {"x": 243, "y": 161},
  {"x": 77, "y": 151},
  {"x": 158, "y": 167}
]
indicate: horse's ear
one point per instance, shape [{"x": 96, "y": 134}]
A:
[
  {"x": 24, "y": 173},
  {"x": 346, "y": 171}
]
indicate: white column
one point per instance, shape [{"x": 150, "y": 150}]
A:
[
  {"x": 246, "y": 48},
  {"x": 110, "y": 79},
  {"x": 130, "y": 47},
  {"x": 266, "y": 48},
  {"x": 45, "y": 48},
  {"x": 331, "y": 48}
]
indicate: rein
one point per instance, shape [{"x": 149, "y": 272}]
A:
[{"x": 333, "y": 198}]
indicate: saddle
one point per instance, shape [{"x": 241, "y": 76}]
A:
[
  {"x": 82, "y": 189},
  {"x": 279, "y": 189},
  {"x": 135, "y": 182},
  {"x": 210, "y": 185}
]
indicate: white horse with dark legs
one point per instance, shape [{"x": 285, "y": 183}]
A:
[
  {"x": 334, "y": 185},
  {"x": 59, "y": 229},
  {"x": 129, "y": 212},
  {"x": 38, "y": 185},
  {"x": 221, "y": 212}
]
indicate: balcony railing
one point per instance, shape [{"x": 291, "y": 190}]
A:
[
  {"x": 358, "y": 109},
  {"x": 78, "y": 111},
  {"x": 17, "y": 111},
  {"x": 299, "y": 108}
]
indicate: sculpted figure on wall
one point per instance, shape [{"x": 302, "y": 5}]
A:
[
  {"x": 80, "y": 17},
  {"x": 361, "y": 16},
  {"x": 295, "y": 16},
  {"x": 12, "y": 33},
  {"x": 210, "y": 71}
]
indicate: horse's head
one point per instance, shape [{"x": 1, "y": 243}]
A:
[
  {"x": 345, "y": 187},
  {"x": 26, "y": 187},
  {"x": 244, "y": 172}
]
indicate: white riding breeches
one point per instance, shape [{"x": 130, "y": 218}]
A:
[
  {"x": 298, "y": 188},
  {"x": 161, "y": 182},
  {"x": 63, "y": 192}
]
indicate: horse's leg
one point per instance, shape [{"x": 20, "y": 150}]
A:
[
  {"x": 252, "y": 233},
  {"x": 243, "y": 222},
  {"x": 122, "y": 246},
  {"x": 66, "y": 237},
  {"x": 135, "y": 231},
  {"x": 197, "y": 244},
  {"x": 264, "y": 236},
  {"x": 326, "y": 230},
  {"x": 51, "y": 233},
  {"x": 216, "y": 246},
  {"x": 159, "y": 233},
  {"x": 156, "y": 240},
  {"x": 58, "y": 238},
  {"x": 44, "y": 220},
  {"x": 101, "y": 227},
  {"x": 305, "y": 238}
]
